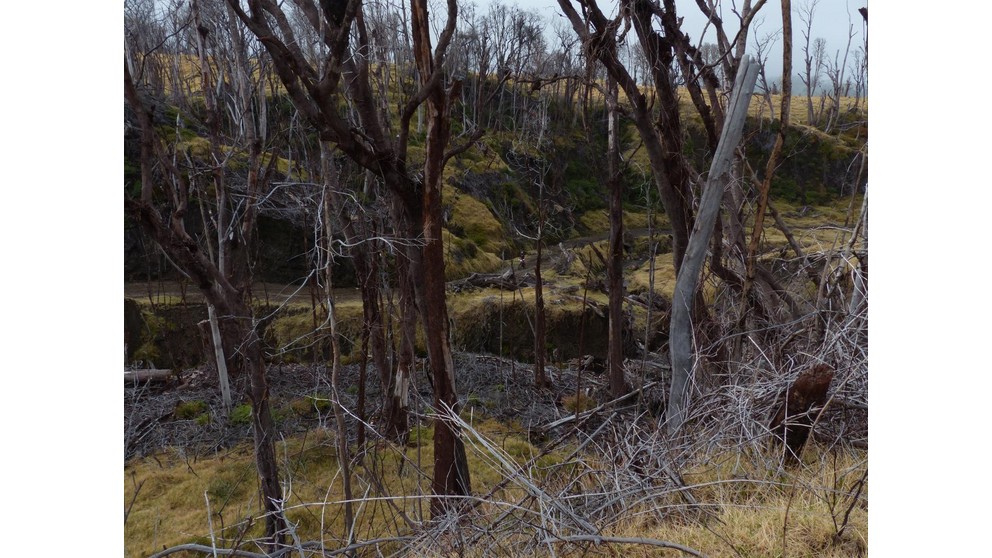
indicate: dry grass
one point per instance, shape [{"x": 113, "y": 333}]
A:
[
  {"x": 621, "y": 488},
  {"x": 756, "y": 510},
  {"x": 173, "y": 489},
  {"x": 798, "y": 115},
  {"x": 598, "y": 220},
  {"x": 716, "y": 492}
]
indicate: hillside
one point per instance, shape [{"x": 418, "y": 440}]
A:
[
  {"x": 490, "y": 195},
  {"x": 416, "y": 279}
]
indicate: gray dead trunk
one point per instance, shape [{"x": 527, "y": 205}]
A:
[
  {"x": 692, "y": 263},
  {"x": 225, "y": 385}
]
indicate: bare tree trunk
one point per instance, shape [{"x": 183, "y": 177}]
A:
[
  {"x": 541, "y": 380},
  {"x": 618, "y": 386},
  {"x": 218, "y": 344},
  {"x": 451, "y": 475},
  {"x": 773, "y": 159},
  {"x": 367, "y": 272},
  {"x": 264, "y": 431},
  {"x": 687, "y": 282},
  {"x": 343, "y": 454},
  {"x": 397, "y": 382}
]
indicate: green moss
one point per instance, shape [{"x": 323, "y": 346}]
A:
[
  {"x": 473, "y": 220},
  {"x": 187, "y": 410},
  {"x": 293, "y": 337},
  {"x": 240, "y": 414},
  {"x": 462, "y": 257},
  {"x": 481, "y": 159},
  {"x": 147, "y": 353},
  {"x": 156, "y": 328},
  {"x": 595, "y": 221},
  {"x": 421, "y": 436},
  {"x": 197, "y": 147}
]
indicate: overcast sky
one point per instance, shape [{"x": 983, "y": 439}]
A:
[{"x": 832, "y": 19}]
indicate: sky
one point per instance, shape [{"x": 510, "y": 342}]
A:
[{"x": 832, "y": 20}]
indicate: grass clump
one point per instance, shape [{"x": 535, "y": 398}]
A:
[
  {"x": 188, "y": 410},
  {"x": 578, "y": 403},
  {"x": 311, "y": 405},
  {"x": 241, "y": 414},
  {"x": 463, "y": 256},
  {"x": 471, "y": 219}
]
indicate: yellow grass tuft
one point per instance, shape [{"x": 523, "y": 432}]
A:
[
  {"x": 753, "y": 510},
  {"x": 173, "y": 488}
]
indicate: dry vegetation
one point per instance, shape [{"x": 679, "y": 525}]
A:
[
  {"x": 610, "y": 487},
  {"x": 607, "y": 484}
]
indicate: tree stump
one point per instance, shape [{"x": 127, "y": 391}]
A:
[{"x": 792, "y": 421}]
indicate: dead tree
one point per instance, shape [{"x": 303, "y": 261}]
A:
[
  {"x": 687, "y": 282},
  {"x": 657, "y": 118},
  {"x": 318, "y": 88},
  {"x": 227, "y": 288},
  {"x": 618, "y": 385}
]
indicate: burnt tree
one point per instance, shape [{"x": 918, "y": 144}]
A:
[
  {"x": 793, "y": 419},
  {"x": 378, "y": 142}
]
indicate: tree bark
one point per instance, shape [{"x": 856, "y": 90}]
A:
[
  {"x": 264, "y": 434},
  {"x": 451, "y": 475},
  {"x": 618, "y": 385},
  {"x": 541, "y": 380},
  {"x": 773, "y": 159},
  {"x": 687, "y": 282}
]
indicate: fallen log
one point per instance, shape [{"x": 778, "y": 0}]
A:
[
  {"x": 148, "y": 375},
  {"x": 507, "y": 281}
]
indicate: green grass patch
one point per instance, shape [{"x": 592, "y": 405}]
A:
[
  {"x": 471, "y": 219},
  {"x": 241, "y": 414},
  {"x": 188, "y": 410}
]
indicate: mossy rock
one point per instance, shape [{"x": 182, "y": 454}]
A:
[{"x": 170, "y": 337}]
